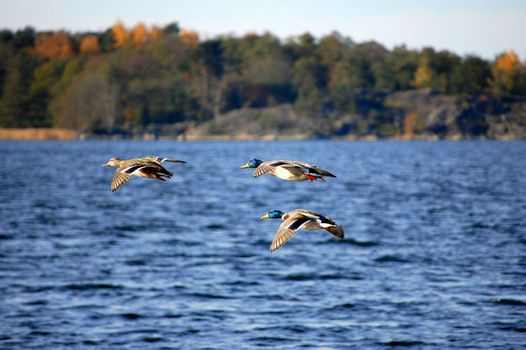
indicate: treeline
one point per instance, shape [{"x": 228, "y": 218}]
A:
[{"x": 133, "y": 77}]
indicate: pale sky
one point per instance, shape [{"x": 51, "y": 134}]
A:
[{"x": 481, "y": 27}]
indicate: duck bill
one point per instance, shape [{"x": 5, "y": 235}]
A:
[
  {"x": 264, "y": 216},
  {"x": 245, "y": 166},
  {"x": 106, "y": 164}
]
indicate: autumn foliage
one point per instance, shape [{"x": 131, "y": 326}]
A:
[
  {"x": 139, "y": 34},
  {"x": 89, "y": 45},
  {"x": 53, "y": 45},
  {"x": 507, "y": 62},
  {"x": 144, "y": 75},
  {"x": 189, "y": 37},
  {"x": 505, "y": 74},
  {"x": 120, "y": 35},
  {"x": 423, "y": 74}
]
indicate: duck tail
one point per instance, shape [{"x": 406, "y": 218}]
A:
[
  {"x": 162, "y": 175},
  {"x": 325, "y": 173},
  {"x": 336, "y": 230}
]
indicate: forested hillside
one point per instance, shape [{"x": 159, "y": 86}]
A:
[{"x": 128, "y": 79}]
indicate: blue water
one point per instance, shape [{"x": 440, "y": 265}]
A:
[{"x": 434, "y": 255}]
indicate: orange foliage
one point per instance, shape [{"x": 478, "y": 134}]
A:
[
  {"x": 155, "y": 33},
  {"x": 189, "y": 37},
  {"x": 53, "y": 45},
  {"x": 409, "y": 125},
  {"x": 504, "y": 73},
  {"x": 139, "y": 34},
  {"x": 89, "y": 45},
  {"x": 507, "y": 62},
  {"x": 120, "y": 34}
]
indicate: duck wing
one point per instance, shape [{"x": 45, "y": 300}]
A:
[
  {"x": 286, "y": 230},
  {"x": 324, "y": 222},
  {"x": 161, "y": 160},
  {"x": 265, "y": 167},
  {"x": 119, "y": 179},
  {"x": 314, "y": 169}
]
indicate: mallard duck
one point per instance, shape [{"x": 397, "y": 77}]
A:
[
  {"x": 300, "y": 219},
  {"x": 289, "y": 170},
  {"x": 149, "y": 166}
]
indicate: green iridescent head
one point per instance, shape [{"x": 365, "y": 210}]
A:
[
  {"x": 253, "y": 163},
  {"x": 273, "y": 214}
]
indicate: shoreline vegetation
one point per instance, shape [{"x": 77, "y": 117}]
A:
[{"x": 165, "y": 82}]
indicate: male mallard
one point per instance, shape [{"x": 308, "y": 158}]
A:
[
  {"x": 289, "y": 170},
  {"x": 145, "y": 167},
  {"x": 300, "y": 219}
]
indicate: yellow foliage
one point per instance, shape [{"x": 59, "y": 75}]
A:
[
  {"x": 37, "y": 134},
  {"x": 139, "y": 34},
  {"x": 189, "y": 37},
  {"x": 89, "y": 45},
  {"x": 423, "y": 74},
  {"x": 53, "y": 45},
  {"x": 120, "y": 34}
]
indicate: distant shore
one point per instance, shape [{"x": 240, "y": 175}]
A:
[
  {"x": 38, "y": 134},
  {"x": 43, "y": 134}
]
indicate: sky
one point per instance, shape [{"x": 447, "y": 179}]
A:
[{"x": 480, "y": 27}]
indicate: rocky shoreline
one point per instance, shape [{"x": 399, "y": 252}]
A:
[{"x": 410, "y": 115}]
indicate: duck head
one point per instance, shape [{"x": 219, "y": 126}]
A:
[
  {"x": 254, "y": 163},
  {"x": 113, "y": 162},
  {"x": 273, "y": 214}
]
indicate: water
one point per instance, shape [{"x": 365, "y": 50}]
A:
[{"x": 434, "y": 255}]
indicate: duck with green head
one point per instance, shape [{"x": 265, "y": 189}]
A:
[
  {"x": 290, "y": 170},
  {"x": 300, "y": 219}
]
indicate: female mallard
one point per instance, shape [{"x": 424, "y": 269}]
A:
[
  {"x": 288, "y": 170},
  {"x": 300, "y": 219},
  {"x": 145, "y": 167}
]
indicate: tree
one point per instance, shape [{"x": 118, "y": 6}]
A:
[
  {"x": 40, "y": 93},
  {"x": 139, "y": 34},
  {"x": 423, "y": 74},
  {"x": 210, "y": 88},
  {"x": 404, "y": 64},
  {"x": 309, "y": 79},
  {"x": 504, "y": 73},
  {"x": 171, "y": 29},
  {"x": 13, "y": 102},
  {"x": 121, "y": 36},
  {"x": 54, "y": 45},
  {"x": 189, "y": 37},
  {"x": 89, "y": 103},
  {"x": 24, "y": 38},
  {"x": 89, "y": 45},
  {"x": 471, "y": 76},
  {"x": 6, "y": 36},
  {"x": 333, "y": 48},
  {"x": 341, "y": 86}
]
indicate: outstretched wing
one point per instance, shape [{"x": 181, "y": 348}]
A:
[
  {"x": 265, "y": 167},
  {"x": 161, "y": 160},
  {"x": 286, "y": 230},
  {"x": 119, "y": 179}
]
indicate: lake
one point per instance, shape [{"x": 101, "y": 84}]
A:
[{"x": 434, "y": 255}]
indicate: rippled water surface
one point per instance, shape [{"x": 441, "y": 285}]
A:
[{"x": 434, "y": 255}]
